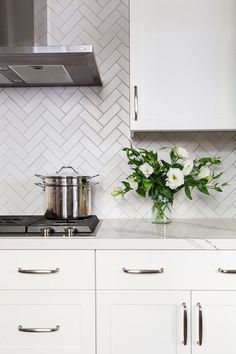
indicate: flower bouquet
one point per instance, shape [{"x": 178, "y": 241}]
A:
[{"x": 161, "y": 180}]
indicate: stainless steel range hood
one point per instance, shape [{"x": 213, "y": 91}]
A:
[{"x": 27, "y": 60}]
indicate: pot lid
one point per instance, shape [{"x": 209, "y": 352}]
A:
[{"x": 66, "y": 172}]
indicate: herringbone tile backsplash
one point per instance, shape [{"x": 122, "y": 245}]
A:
[{"x": 44, "y": 128}]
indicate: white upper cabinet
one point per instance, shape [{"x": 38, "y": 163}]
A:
[{"x": 183, "y": 65}]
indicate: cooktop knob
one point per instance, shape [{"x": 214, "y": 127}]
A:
[
  {"x": 46, "y": 231},
  {"x": 70, "y": 231}
]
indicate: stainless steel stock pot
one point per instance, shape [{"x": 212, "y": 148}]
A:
[{"x": 67, "y": 194}]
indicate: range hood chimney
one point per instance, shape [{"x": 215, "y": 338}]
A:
[{"x": 27, "y": 60}]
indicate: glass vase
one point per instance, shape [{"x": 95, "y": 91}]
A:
[{"x": 161, "y": 213}]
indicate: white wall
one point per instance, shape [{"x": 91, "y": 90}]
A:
[{"x": 44, "y": 128}]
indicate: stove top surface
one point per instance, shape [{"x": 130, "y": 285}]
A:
[{"x": 38, "y": 225}]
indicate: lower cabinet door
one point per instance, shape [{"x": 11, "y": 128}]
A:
[
  {"x": 143, "y": 322},
  {"x": 214, "y": 322},
  {"x": 50, "y": 322}
]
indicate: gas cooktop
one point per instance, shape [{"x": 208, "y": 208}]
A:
[{"x": 38, "y": 225}]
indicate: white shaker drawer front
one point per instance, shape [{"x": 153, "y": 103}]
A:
[
  {"x": 166, "y": 270},
  {"x": 47, "y": 270},
  {"x": 52, "y": 323}
]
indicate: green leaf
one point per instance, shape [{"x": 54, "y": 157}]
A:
[
  {"x": 177, "y": 165},
  {"x": 173, "y": 156},
  {"x": 190, "y": 181},
  {"x": 141, "y": 192},
  {"x": 188, "y": 192},
  {"x": 217, "y": 176},
  {"x": 147, "y": 184},
  {"x": 166, "y": 192},
  {"x": 166, "y": 164},
  {"x": 134, "y": 162},
  {"x": 202, "y": 188},
  {"x": 126, "y": 184},
  {"x": 209, "y": 161}
]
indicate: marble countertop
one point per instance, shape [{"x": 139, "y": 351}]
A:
[
  {"x": 181, "y": 234},
  {"x": 178, "y": 229}
]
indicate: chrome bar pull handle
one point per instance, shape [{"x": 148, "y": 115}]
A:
[
  {"x": 38, "y": 271},
  {"x": 200, "y": 324},
  {"x": 38, "y": 330},
  {"x": 227, "y": 271},
  {"x": 185, "y": 323},
  {"x": 135, "y": 103},
  {"x": 143, "y": 271}
]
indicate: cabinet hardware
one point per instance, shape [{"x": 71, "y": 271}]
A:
[
  {"x": 38, "y": 271},
  {"x": 143, "y": 271},
  {"x": 38, "y": 330},
  {"x": 185, "y": 323},
  {"x": 227, "y": 271},
  {"x": 200, "y": 324},
  {"x": 135, "y": 103}
]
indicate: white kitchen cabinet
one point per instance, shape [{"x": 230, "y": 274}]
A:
[
  {"x": 182, "y": 65},
  {"x": 218, "y": 322},
  {"x": 63, "y": 322},
  {"x": 51, "y": 295},
  {"x": 143, "y": 322},
  {"x": 147, "y": 301},
  {"x": 48, "y": 269},
  {"x": 115, "y": 270}
]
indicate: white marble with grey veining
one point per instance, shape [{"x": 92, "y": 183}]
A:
[
  {"x": 178, "y": 229},
  {"x": 188, "y": 234}
]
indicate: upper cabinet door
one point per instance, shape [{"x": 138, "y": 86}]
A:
[{"x": 183, "y": 65}]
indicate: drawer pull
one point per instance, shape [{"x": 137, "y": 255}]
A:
[
  {"x": 38, "y": 271},
  {"x": 185, "y": 323},
  {"x": 227, "y": 271},
  {"x": 38, "y": 330},
  {"x": 200, "y": 324},
  {"x": 143, "y": 271}
]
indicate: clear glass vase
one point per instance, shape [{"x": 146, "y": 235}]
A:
[{"x": 161, "y": 213}]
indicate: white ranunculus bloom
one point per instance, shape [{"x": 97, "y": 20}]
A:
[
  {"x": 182, "y": 153},
  {"x": 175, "y": 178},
  {"x": 146, "y": 169},
  {"x": 204, "y": 172},
  {"x": 132, "y": 183},
  {"x": 187, "y": 167}
]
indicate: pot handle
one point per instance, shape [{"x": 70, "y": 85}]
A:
[
  {"x": 42, "y": 185},
  {"x": 40, "y": 176},
  {"x": 94, "y": 176},
  {"x": 65, "y": 167}
]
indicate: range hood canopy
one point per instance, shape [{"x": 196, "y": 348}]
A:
[{"x": 27, "y": 60}]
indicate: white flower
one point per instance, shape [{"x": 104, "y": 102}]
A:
[
  {"x": 182, "y": 153},
  {"x": 146, "y": 169},
  {"x": 175, "y": 178},
  {"x": 132, "y": 183},
  {"x": 118, "y": 194},
  {"x": 204, "y": 172},
  {"x": 187, "y": 167}
]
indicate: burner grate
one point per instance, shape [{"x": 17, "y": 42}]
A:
[{"x": 33, "y": 224}]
